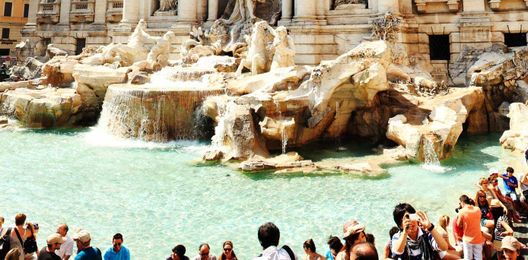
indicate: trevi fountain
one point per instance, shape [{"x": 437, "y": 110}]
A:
[{"x": 232, "y": 133}]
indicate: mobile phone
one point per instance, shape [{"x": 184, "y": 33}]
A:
[{"x": 414, "y": 217}]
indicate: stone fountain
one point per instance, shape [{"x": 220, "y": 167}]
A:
[{"x": 240, "y": 76}]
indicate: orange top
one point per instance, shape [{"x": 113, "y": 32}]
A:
[{"x": 469, "y": 218}]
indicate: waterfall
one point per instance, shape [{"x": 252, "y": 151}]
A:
[
  {"x": 284, "y": 139},
  {"x": 431, "y": 161}
]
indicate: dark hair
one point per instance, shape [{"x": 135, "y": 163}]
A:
[
  {"x": 268, "y": 235},
  {"x": 179, "y": 250},
  {"x": 399, "y": 212},
  {"x": 118, "y": 236},
  {"x": 309, "y": 244},
  {"x": 204, "y": 244},
  {"x": 223, "y": 255},
  {"x": 370, "y": 238},
  {"x": 393, "y": 231},
  {"x": 365, "y": 251},
  {"x": 20, "y": 219},
  {"x": 509, "y": 169},
  {"x": 465, "y": 199},
  {"x": 335, "y": 243}
]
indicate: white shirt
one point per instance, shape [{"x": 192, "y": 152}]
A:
[
  {"x": 66, "y": 248},
  {"x": 274, "y": 253}
]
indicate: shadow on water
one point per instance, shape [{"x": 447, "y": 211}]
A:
[{"x": 470, "y": 152}]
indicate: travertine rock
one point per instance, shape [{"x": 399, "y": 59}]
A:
[
  {"x": 91, "y": 85},
  {"x": 273, "y": 81},
  {"x": 45, "y": 108},
  {"x": 516, "y": 138}
]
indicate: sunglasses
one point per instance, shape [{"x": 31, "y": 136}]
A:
[{"x": 228, "y": 249}]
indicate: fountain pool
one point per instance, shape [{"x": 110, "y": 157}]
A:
[{"x": 160, "y": 195}]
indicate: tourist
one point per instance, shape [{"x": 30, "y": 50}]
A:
[
  {"x": 1, "y": 225},
  {"x": 388, "y": 251},
  {"x": 54, "y": 242},
  {"x": 363, "y": 251},
  {"x": 19, "y": 234},
  {"x": 451, "y": 253},
  {"x": 268, "y": 236},
  {"x": 502, "y": 224},
  {"x": 511, "y": 248},
  {"x": 85, "y": 251},
  {"x": 469, "y": 220},
  {"x": 30, "y": 245},
  {"x": 228, "y": 253},
  {"x": 310, "y": 250},
  {"x": 178, "y": 253},
  {"x": 486, "y": 218},
  {"x": 353, "y": 233},
  {"x": 506, "y": 201},
  {"x": 14, "y": 254},
  {"x": 510, "y": 183},
  {"x": 418, "y": 237},
  {"x": 524, "y": 187},
  {"x": 118, "y": 251},
  {"x": 204, "y": 253},
  {"x": 334, "y": 246},
  {"x": 66, "y": 249}
]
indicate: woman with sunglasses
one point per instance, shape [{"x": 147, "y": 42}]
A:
[{"x": 228, "y": 253}]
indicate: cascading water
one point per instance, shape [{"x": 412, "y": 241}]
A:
[
  {"x": 431, "y": 161},
  {"x": 284, "y": 139},
  {"x": 159, "y": 111}
]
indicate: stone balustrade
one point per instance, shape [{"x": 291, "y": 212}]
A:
[
  {"x": 114, "y": 11},
  {"x": 48, "y": 12},
  {"x": 82, "y": 11}
]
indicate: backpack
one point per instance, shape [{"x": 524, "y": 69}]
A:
[{"x": 5, "y": 244}]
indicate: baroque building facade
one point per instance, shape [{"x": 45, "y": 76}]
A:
[
  {"x": 13, "y": 17},
  {"x": 433, "y": 32}
]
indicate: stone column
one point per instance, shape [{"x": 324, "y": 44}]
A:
[
  {"x": 187, "y": 10},
  {"x": 287, "y": 9},
  {"x": 305, "y": 11},
  {"x": 130, "y": 11},
  {"x": 65, "y": 7},
  {"x": 100, "y": 12},
  {"x": 212, "y": 10}
]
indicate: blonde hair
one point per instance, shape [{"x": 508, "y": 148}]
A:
[{"x": 443, "y": 221}]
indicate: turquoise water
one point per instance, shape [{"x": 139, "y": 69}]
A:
[{"x": 159, "y": 195}]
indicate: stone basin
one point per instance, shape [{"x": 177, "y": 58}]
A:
[{"x": 152, "y": 112}]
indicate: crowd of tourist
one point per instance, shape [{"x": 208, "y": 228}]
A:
[{"x": 482, "y": 229}]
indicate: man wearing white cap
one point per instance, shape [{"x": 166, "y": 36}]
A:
[
  {"x": 86, "y": 251},
  {"x": 511, "y": 248},
  {"x": 54, "y": 242}
]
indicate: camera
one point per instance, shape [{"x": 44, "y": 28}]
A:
[
  {"x": 414, "y": 217},
  {"x": 458, "y": 209},
  {"x": 35, "y": 225}
]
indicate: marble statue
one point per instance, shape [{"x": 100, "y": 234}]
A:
[
  {"x": 283, "y": 48},
  {"x": 140, "y": 38},
  {"x": 23, "y": 51},
  {"x": 168, "y": 5},
  {"x": 158, "y": 56},
  {"x": 259, "y": 54},
  {"x": 244, "y": 10}
]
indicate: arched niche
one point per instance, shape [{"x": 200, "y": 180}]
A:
[{"x": 264, "y": 9}]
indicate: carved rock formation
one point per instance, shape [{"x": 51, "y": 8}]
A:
[
  {"x": 516, "y": 138},
  {"x": 45, "y": 108}
]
